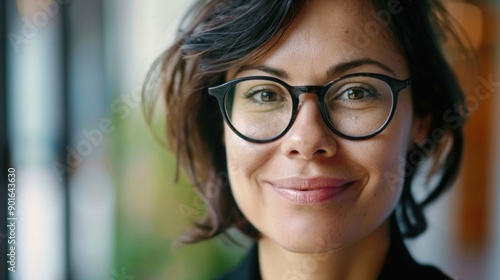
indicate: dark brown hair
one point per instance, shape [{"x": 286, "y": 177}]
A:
[{"x": 221, "y": 33}]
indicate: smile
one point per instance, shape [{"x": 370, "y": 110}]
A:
[{"x": 311, "y": 191}]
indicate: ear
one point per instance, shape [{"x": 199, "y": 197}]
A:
[{"x": 421, "y": 126}]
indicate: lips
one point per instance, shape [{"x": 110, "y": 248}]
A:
[{"x": 311, "y": 190}]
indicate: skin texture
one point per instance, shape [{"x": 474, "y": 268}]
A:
[{"x": 347, "y": 236}]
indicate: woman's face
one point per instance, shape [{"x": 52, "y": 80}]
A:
[{"x": 349, "y": 187}]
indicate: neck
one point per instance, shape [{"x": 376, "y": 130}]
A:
[{"x": 363, "y": 260}]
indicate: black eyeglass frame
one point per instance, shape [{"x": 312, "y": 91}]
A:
[{"x": 395, "y": 85}]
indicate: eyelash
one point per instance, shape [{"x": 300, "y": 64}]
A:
[
  {"x": 254, "y": 91},
  {"x": 371, "y": 93}
]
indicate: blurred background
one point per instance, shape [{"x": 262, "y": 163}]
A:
[{"x": 96, "y": 197}]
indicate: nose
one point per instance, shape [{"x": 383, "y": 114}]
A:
[{"x": 309, "y": 137}]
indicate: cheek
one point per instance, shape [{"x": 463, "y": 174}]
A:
[
  {"x": 244, "y": 159},
  {"x": 383, "y": 160},
  {"x": 390, "y": 148},
  {"x": 384, "y": 157}
]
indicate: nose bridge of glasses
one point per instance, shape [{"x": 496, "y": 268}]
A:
[
  {"x": 298, "y": 90},
  {"x": 319, "y": 91}
]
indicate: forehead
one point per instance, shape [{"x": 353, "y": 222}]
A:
[{"x": 327, "y": 33}]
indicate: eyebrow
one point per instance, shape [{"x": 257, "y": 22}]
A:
[
  {"x": 273, "y": 71},
  {"x": 341, "y": 68},
  {"x": 333, "y": 71}
]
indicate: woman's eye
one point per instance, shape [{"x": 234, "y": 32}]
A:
[
  {"x": 264, "y": 95},
  {"x": 355, "y": 94},
  {"x": 268, "y": 96}
]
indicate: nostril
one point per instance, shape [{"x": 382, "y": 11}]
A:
[{"x": 321, "y": 152}]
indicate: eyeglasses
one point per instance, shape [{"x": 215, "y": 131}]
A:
[{"x": 261, "y": 109}]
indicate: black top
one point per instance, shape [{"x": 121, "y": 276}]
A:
[{"x": 398, "y": 265}]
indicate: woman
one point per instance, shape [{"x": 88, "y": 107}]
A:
[{"x": 319, "y": 112}]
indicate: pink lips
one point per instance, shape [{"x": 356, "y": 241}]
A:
[{"x": 310, "y": 191}]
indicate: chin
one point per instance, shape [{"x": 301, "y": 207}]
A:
[
  {"x": 305, "y": 235},
  {"x": 324, "y": 233}
]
